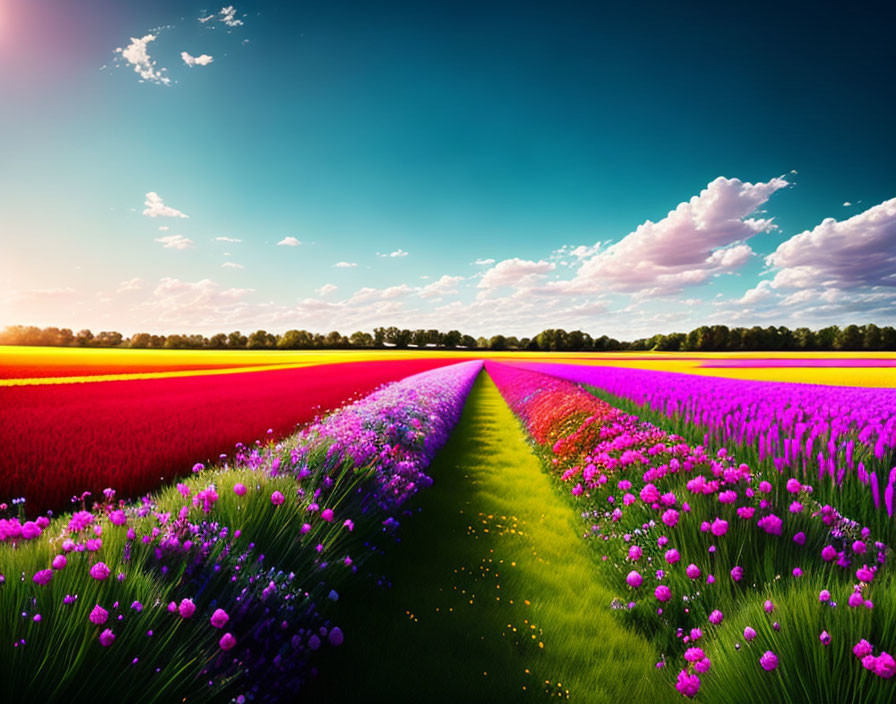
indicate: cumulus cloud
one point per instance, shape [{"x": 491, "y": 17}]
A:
[
  {"x": 155, "y": 208},
  {"x": 345, "y": 265},
  {"x": 289, "y": 242},
  {"x": 846, "y": 204},
  {"x": 227, "y": 239},
  {"x": 232, "y": 265},
  {"x": 445, "y": 286},
  {"x": 856, "y": 253},
  {"x": 137, "y": 56},
  {"x": 326, "y": 289},
  {"x": 201, "y": 60},
  {"x": 514, "y": 272},
  {"x": 702, "y": 237},
  {"x": 176, "y": 242},
  {"x": 398, "y": 253}
]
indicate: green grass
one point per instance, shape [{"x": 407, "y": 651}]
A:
[{"x": 496, "y": 597}]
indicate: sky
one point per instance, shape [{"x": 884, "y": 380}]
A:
[{"x": 625, "y": 169}]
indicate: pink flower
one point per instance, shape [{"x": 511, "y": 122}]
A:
[
  {"x": 327, "y": 515},
  {"x": 749, "y": 633},
  {"x": 769, "y": 661},
  {"x": 118, "y": 517},
  {"x": 765, "y": 487},
  {"x": 30, "y": 530},
  {"x": 796, "y": 507},
  {"x": 797, "y": 572},
  {"x": 219, "y": 618},
  {"x": 187, "y": 608},
  {"x": 825, "y": 638},
  {"x": 672, "y": 556},
  {"x": 662, "y": 593},
  {"x": 719, "y": 527},
  {"x": 692, "y": 571},
  {"x": 694, "y": 654},
  {"x": 42, "y": 577},
  {"x": 828, "y": 553},
  {"x": 794, "y": 486},
  {"x": 634, "y": 579},
  {"x": 824, "y": 595},
  {"x": 703, "y": 665},
  {"x": 277, "y": 498},
  {"x": 99, "y": 571},
  {"x": 885, "y": 666},
  {"x": 737, "y": 573},
  {"x": 670, "y": 517},
  {"x": 855, "y": 600},
  {"x": 227, "y": 641},
  {"x": 746, "y": 512},
  {"x": 800, "y": 538},
  {"x": 862, "y": 648},
  {"x": 771, "y": 524},
  {"x": 59, "y": 562},
  {"x": 716, "y": 617},
  {"x": 99, "y": 615},
  {"x": 864, "y": 574},
  {"x": 239, "y": 489},
  {"x": 687, "y": 684},
  {"x": 769, "y": 606},
  {"x": 107, "y": 637}
]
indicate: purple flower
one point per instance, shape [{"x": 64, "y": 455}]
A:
[
  {"x": 862, "y": 648},
  {"x": 43, "y": 577},
  {"x": 99, "y": 571},
  {"x": 800, "y": 538},
  {"x": 719, "y": 527},
  {"x": 99, "y": 615},
  {"x": 634, "y": 579},
  {"x": 749, "y": 633},
  {"x": 187, "y": 608},
  {"x": 670, "y": 517},
  {"x": 824, "y": 595},
  {"x": 716, "y": 617},
  {"x": 797, "y": 572},
  {"x": 864, "y": 574},
  {"x": 662, "y": 593},
  {"x": 672, "y": 556},
  {"x": 692, "y": 571},
  {"x": 687, "y": 684},
  {"x": 769, "y": 661},
  {"x": 239, "y": 489},
  {"x": 107, "y": 637},
  {"x": 635, "y": 552},
  {"x": 737, "y": 573},
  {"x": 335, "y": 636},
  {"x": 769, "y": 606},
  {"x": 227, "y": 641},
  {"x": 855, "y": 600},
  {"x": 277, "y": 498},
  {"x": 825, "y": 638},
  {"x": 327, "y": 515},
  {"x": 828, "y": 553},
  {"x": 694, "y": 654},
  {"x": 219, "y": 618},
  {"x": 30, "y": 530},
  {"x": 703, "y": 665}
]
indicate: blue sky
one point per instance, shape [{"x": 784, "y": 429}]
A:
[{"x": 489, "y": 146}]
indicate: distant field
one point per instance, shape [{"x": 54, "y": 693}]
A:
[{"x": 42, "y": 365}]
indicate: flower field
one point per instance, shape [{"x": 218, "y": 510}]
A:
[
  {"x": 62, "y": 440},
  {"x": 576, "y": 530},
  {"x": 742, "y": 578}
]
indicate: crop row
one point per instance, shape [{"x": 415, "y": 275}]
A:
[
  {"x": 222, "y": 585},
  {"x": 743, "y": 579}
]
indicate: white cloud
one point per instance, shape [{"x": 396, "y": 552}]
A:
[
  {"x": 514, "y": 272},
  {"x": 345, "y": 265},
  {"x": 227, "y": 239},
  {"x": 176, "y": 242},
  {"x": 134, "y": 284},
  {"x": 201, "y": 60},
  {"x": 445, "y": 286},
  {"x": 289, "y": 242},
  {"x": 846, "y": 204},
  {"x": 856, "y": 253},
  {"x": 398, "y": 253},
  {"x": 758, "y": 294},
  {"x": 136, "y": 54},
  {"x": 326, "y": 289},
  {"x": 702, "y": 237},
  {"x": 208, "y": 18},
  {"x": 484, "y": 262},
  {"x": 232, "y": 265},
  {"x": 163, "y": 228},
  {"x": 228, "y": 16},
  {"x": 155, "y": 208}
]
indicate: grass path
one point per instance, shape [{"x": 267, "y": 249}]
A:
[{"x": 495, "y": 597}]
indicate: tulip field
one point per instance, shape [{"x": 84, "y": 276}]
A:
[{"x": 447, "y": 526}]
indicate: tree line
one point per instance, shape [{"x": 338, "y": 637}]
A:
[{"x": 706, "y": 338}]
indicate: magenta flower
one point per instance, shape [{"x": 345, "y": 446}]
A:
[
  {"x": 749, "y": 633},
  {"x": 99, "y": 571},
  {"x": 800, "y": 538},
  {"x": 634, "y": 579},
  {"x": 694, "y": 654},
  {"x": 769, "y": 606},
  {"x": 769, "y": 661},
  {"x": 885, "y": 666},
  {"x": 862, "y": 648},
  {"x": 672, "y": 556},
  {"x": 30, "y": 530},
  {"x": 43, "y": 577},
  {"x": 855, "y": 600},
  {"x": 703, "y": 665},
  {"x": 765, "y": 487},
  {"x": 746, "y": 512},
  {"x": 635, "y": 552},
  {"x": 797, "y": 572},
  {"x": 737, "y": 573},
  {"x": 99, "y": 615},
  {"x": 227, "y": 641},
  {"x": 716, "y": 617},
  {"x": 719, "y": 527},
  {"x": 59, "y": 562},
  {"x": 662, "y": 593},
  {"x": 670, "y": 517},
  {"x": 825, "y": 638},
  {"x": 107, "y": 637},
  {"x": 824, "y": 595},
  {"x": 794, "y": 486},
  {"x": 687, "y": 684},
  {"x": 828, "y": 553},
  {"x": 239, "y": 489},
  {"x": 219, "y": 618},
  {"x": 327, "y": 515},
  {"x": 771, "y": 524},
  {"x": 692, "y": 571},
  {"x": 187, "y": 608},
  {"x": 277, "y": 498},
  {"x": 118, "y": 517},
  {"x": 864, "y": 574}
]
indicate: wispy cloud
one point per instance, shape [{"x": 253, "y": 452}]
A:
[
  {"x": 227, "y": 239},
  {"x": 326, "y": 289},
  {"x": 484, "y": 262},
  {"x": 136, "y": 55},
  {"x": 398, "y": 253},
  {"x": 176, "y": 242},
  {"x": 134, "y": 284},
  {"x": 289, "y": 242},
  {"x": 232, "y": 265},
  {"x": 201, "y": 60},
  {"x": 345, "y": 265},
  {"x": 156, "y": 208},
  {"x": 226, "y": 15}
]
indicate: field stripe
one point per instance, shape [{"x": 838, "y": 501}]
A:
[{"x": 494, "y": 547}]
